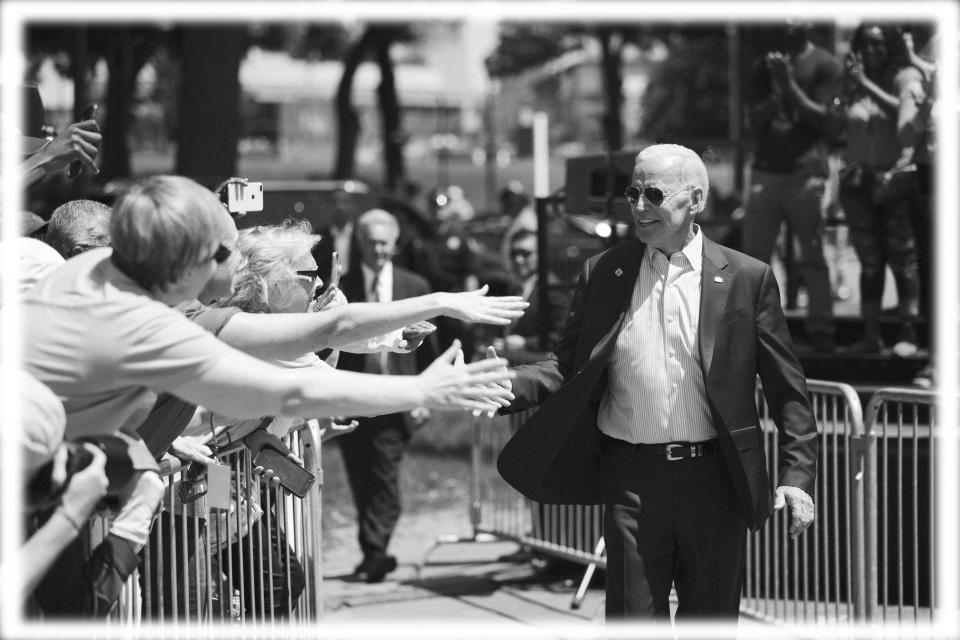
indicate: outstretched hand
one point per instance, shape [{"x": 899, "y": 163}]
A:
[
  {"x": 449, "y": 383},
  {"x": 476, "y": 306},
  {"x": 800, "y": 504},
  {"x": 491, "y": 353}
]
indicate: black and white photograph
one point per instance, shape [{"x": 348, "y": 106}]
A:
[{"x": 479, "y": 319}]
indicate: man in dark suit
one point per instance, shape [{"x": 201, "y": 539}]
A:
[
  {"x": 648, "y": 406},
  {"x": 372, "y": 453}
]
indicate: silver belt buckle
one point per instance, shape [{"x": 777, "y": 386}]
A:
[{"x": 670, "y": 448}]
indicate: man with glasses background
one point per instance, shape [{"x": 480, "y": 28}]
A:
[{"x": 647, "y": 404}]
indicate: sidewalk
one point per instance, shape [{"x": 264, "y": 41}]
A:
[{"x": 463, "y": 582}]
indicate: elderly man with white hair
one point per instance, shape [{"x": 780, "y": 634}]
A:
[{"x": 648, "y": 405}]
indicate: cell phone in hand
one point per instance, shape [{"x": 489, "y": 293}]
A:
[
  {"x": 334, "y": 270},
  {"x": 291, "y": 475},
  {"x": 89, "y": 113}
]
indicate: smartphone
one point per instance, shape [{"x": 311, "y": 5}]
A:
[
  {"x": 243, "y": 198},
  {"x": 334, "y": 270},
  {"x": 89, "y": 113},
  {"x": 292, "y": 476}
]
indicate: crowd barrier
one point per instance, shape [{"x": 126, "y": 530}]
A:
[
  {"x": 901, "y": 527},
  {"x": 256, "y": 563},
  {"x": 867, "y": 556}
]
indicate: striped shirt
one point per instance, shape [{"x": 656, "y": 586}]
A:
[{"x": 655, "y": 391}]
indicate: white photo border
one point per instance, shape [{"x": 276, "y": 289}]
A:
[{"x": 15, "y": 14}]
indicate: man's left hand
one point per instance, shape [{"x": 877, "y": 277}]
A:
[{"x": 801, "y": 507}]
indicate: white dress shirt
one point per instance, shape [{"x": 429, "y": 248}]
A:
[
  {"x": 383, "y": 283},
  {"x": 655, "y": 391}
]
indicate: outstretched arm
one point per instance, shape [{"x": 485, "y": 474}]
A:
[
  {"x": 239, "y": 386},
  {"x": 290, "y": 335}
]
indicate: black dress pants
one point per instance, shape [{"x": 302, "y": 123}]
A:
[
  {"x": 671, "y": 523},
  {"x": 372, "y": 455}
]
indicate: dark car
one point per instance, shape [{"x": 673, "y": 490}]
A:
[{"x": 317, "y": 202}]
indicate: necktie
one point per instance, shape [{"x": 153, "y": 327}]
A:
[
  {"x": 376, "y": 362},
  {"x": 374, "y": 294}
]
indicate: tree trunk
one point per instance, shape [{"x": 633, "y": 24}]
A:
[
  {"x": 116, "y": 123},
  {"x": 348, "y": 129},
  {"x": 611, "y": 46},
  {"x": 209, "y": 106},
  {"x": 394, "y": 169}
]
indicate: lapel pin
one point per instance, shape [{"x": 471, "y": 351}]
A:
[
  {"x": 717, "y": 279},
  {"x": 618, "y": 272}
]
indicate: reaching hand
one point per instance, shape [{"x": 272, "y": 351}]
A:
[
  {"x": 331, "y": 428},
  {"x": 194, "y": 448},
  {"x": 476, "y": 306},
  {"x": 801, "y": 507},
  {"x": 505, "y": 384},
  {"x": 448, "y": 383},
  {"x": 87, "y": 487},
  {"x": 414, "y": 335},
  {"x": 80, "y": 141}
]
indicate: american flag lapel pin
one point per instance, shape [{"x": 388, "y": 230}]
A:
[
  {"x": 717, "y": 279},
  {"x": 618, "y": 272}
]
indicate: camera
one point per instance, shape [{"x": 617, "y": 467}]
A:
[{"x": 41, "y": 494}]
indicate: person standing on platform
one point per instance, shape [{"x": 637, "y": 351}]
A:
[
  {"x": 372, "y": 453},
  {"x": 647, "y": 405},
  {"x": 788, "y": 94}
]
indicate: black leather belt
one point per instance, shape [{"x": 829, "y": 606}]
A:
[{"x": 673, "y": 451}]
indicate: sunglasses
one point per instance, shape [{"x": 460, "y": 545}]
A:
[
  {"x": 221, "y": 254},
  {"x": 653, "y": 195},
  {"x": 315, "y": 273}
]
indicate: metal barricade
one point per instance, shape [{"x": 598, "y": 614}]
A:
[
  {"x": 868, "y": 556},
  {"x": 256, "y": 563},
  {"x": 820, "y": 575},
  {"x": 901, "y": 529},
  {"x": 571, "y": 532}
]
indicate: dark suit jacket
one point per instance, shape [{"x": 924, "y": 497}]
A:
[
  {"x": 555, "y": 456},
  {"x": 405, "y": 285}
]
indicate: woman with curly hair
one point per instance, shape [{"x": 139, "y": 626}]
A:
[{"x": 876, "y": 184}]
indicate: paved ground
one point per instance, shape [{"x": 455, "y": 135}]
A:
[{"x": 441, "y": 579}]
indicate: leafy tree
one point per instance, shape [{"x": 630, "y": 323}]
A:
[
  {"x": 688, "y": 92},
  {"x": 125, "y": 50},
  {"x": 376, "y": 42},
  {"x": 208, "y": 117},
  {"x": 522, "y": 47}
]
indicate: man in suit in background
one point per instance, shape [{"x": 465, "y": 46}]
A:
[
  {"x": 648, "y": 404},
  {"x": 372, "y": 453}
]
